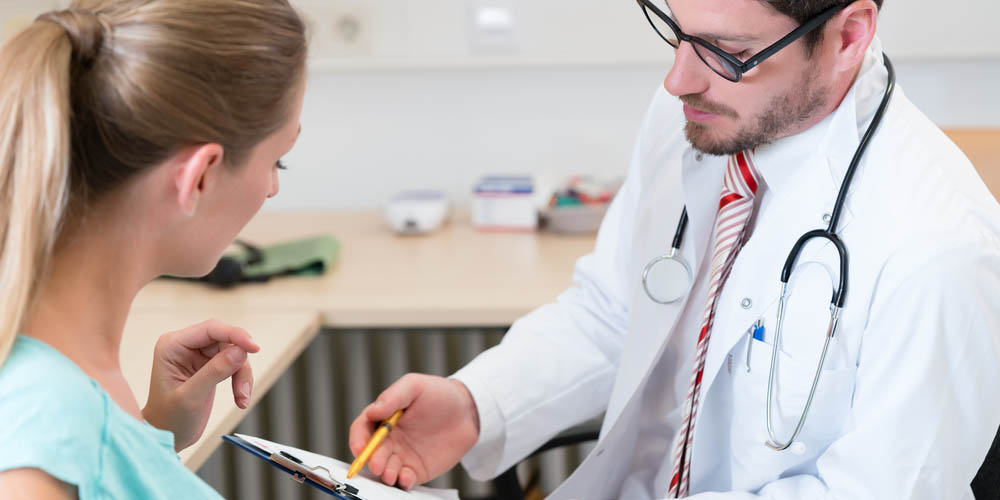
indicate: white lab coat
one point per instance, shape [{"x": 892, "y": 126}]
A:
[{"x": 907, "y": 404}]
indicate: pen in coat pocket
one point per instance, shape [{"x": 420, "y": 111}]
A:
[{"x": 755, "y": 332}]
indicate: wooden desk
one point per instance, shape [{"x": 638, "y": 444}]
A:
[
  {"x": 281, "y": 336},
  {"x": 456, "y": 277}
]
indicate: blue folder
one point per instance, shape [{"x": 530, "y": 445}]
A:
[{"x": 300, "y": 472}]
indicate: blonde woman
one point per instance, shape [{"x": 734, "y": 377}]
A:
[{"x": 137, "y": 138}]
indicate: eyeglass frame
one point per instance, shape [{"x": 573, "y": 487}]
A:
[{"x": 740, "y": 67}]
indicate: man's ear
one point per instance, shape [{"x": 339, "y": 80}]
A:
[
  {"x": 852, "y": 33},
  {"x": 194, "y": 174}
]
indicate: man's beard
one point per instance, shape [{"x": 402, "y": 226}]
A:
[{"x": 785, "y": 112}]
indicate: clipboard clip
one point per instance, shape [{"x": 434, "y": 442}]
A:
[{"x": 318, "y": 474}]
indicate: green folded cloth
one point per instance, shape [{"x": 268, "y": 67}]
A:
[{"x": 305, "y": 257}]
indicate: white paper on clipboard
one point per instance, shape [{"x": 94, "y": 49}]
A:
[{"x": 369, "y": 487}]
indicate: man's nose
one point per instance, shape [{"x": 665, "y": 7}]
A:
[{"x": 689, "y": 74}]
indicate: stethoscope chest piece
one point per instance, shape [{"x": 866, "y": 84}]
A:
[{"x": 667, "y": 278}]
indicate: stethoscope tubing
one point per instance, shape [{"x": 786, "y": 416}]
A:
[
  {"x": 681, "y": 229},
  {"x": 839, "y": 295},
  {"x": 830, "y": 233}
]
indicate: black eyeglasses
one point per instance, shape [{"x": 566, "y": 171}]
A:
[{"x": 723, "y": 63}]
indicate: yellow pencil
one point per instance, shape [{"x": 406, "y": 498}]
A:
[{"x": 377, "y": 438}]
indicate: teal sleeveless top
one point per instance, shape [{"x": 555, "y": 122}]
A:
[{"x": 55, "y": 418}]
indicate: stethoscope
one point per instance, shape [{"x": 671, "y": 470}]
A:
[{"x": 668, "y": 278}]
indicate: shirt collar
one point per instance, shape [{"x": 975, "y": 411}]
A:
[{"x": 836, "y": 137}]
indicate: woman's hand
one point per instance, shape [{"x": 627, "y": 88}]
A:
[
  {"x": 187, "y": 365},
  {"x": 440, "y": 425}
]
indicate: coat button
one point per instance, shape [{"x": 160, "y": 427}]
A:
[
  {"x": 698, "y": 156},
  {"x": 798, "y": 448},
  {"x": 827, "y": 217},
  {"x": 746, "y": 303}
]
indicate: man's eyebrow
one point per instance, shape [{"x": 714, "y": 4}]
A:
[
  {"x": 714, "y": 36},
  {"x": 727, "y": 38}
]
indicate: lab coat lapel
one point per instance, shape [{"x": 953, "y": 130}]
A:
[
  {"x": 697, "y": 185},
  {"x": 758, "y": 265},
  {"x": 703, "y": 176}
]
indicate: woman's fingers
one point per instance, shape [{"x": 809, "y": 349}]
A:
[
  {"x": 219, "y": 368},
  {"x": 243, "y": 385},
  {"x": 209, "y": 333}
]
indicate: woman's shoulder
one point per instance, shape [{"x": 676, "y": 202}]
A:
[
  {"x": 54, "y": 415},
  {"x": 37, "y": 377}
]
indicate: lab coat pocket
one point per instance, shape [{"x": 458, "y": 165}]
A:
[
  {"x": 752, "y": 459},
  {"x": 806, "y": 319},
  {"x": 793, "y": 381}
]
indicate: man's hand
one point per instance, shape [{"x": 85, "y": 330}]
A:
[
  {"x": 440, "y": 425},
  {"x": 187, "y": 365}
]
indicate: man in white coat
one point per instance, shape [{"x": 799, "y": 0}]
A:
[{"x": 906, "y": 405}]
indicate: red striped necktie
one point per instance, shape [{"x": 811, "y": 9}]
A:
[{"x": 731, "y": 230}]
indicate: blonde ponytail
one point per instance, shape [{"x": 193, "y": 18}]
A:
[
  {"x": 34, "y": 163},
  {"x": 94, "y": 95}
]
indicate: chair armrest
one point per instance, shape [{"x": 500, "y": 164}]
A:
[{"x": 507, "y": 485}]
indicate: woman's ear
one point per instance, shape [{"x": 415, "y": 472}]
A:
[
  {"x": 194, "y": 174},
  {"x": 853, "y": 32}
]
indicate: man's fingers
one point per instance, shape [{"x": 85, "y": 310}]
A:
[
  {"x": 380, "y": 459},
  {"x": 398, "y": 396},
  {"x": 243, "y": 385},
  {"x": 391, "y": 471},
  {"x": 407, "y": 478},
  {"x": 361, "y": 431},
  {"x": 212, "y": 332}
]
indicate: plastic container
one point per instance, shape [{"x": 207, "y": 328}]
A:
[{"x": 574, "y": 219}]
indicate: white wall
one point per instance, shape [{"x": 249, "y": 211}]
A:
[
  {"x": 434, "y": 33},
  {"x": 418, "y": 104},
  {"x": 415, "y": 101},
  {"x": 367, "y": 134}
]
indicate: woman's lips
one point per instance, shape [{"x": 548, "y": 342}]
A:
[{"x": 697, "y": 115}]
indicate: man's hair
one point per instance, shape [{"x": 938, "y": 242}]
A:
[{"x": 804, "y": 10}]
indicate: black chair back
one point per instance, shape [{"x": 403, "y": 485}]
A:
[{"x": 986, "y": 485}]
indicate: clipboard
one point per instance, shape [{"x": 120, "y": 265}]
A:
[{"x": 318, "y": 477}]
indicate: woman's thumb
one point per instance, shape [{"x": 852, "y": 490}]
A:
[{"x": 222, "y": 366}]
